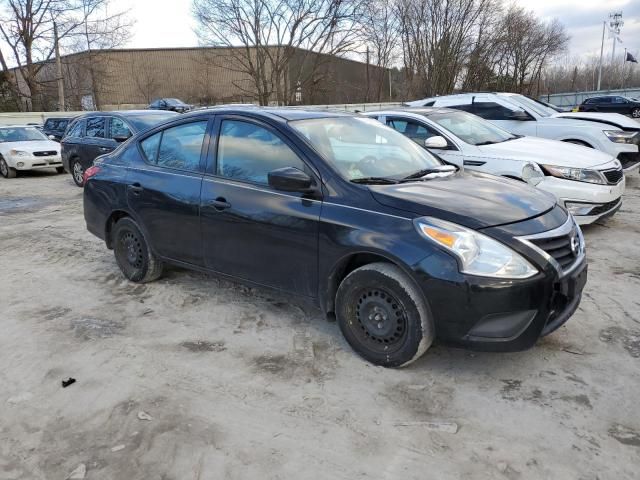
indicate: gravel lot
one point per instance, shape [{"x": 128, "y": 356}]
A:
[{"x": 243, "y": 383}]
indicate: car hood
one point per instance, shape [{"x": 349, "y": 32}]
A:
[
  {"x": 31, "y": 146},
  {"x": 471, "y": 199},
  {"x": 544, "y": 151},
  {"x": 611, "y": 119}
]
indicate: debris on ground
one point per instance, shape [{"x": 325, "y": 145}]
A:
[
  {"x": 79, "y": 473},
  {"x": 117, "y": 448},
  {"x": 68, "y": 381},
  {"x": 144, "y": 416},
  {"x": 444, "y": 427}
]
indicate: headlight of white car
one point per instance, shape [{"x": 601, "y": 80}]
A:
[
  {"x": 577, "y": 174},
  {"x": 478, "y": 254},
  {"x": 18, "y": 153},
  {"x": 531, "y": 173},
  {"x": 619, "y": 136}
]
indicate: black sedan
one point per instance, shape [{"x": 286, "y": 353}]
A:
[
  {"x": 346, "y": 212},
  {"x": 94, "y": 134},
  {"x": 611, "y": 103},
  {"x": 171, "y": 104}
]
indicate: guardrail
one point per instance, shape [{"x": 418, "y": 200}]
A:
[{"x": 573, "y": 99}]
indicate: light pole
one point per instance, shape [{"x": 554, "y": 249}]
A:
[{"x": 604, "y": 26}]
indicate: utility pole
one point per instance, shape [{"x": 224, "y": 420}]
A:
[
  {"x": 366, "y": 98},
  {"x": 615, "y": 23},
  {"x": 624, "y": 62},
  {"x": 61, "y": 106},
  {"x": 604, "y": 26}
]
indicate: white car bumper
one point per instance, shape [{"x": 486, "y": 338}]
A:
[
  {"x": 31, "y": 162},
  {"x": 588, "y": 202}
]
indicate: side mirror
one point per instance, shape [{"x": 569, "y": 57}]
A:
[
  {"x": 51, "y": 137},
  {"x": 436, "y": 142},
  {"x": 121, "y": 138},
  {"x": 290, "y": 179},
  {"x": 519, "y": 115}
]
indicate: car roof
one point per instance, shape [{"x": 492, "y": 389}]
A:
[
  {"x": 424, "y": 111},
  {"x": 276, "y": 113},
  {"x": 124, "y": 113}
]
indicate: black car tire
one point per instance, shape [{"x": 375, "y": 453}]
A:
[
  {"x": 5, "y": 170},
  {"x": 133, "y": 254},
  {"x": 635, "y": 113},
  {"x": 60, "y": 169},
  {"x": 383, "y": 315},
  {"x": 77, "y": 172}
]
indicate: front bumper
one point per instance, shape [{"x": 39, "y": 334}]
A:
[
  {"x": 499, "y": 315},
  {"x": 35, "y": 163},
  {"x": 593, "y": 201}
]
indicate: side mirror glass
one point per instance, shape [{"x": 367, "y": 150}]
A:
[
  {"x": 51, "y": 137},
  {"x": 121, "y": 138},
  {"x": 436, "y": 142},
  {"x": 290, "y": 179}
]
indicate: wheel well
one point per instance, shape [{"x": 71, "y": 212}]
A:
[
  {"x": 344, "y": 268},
  {"x": 111, "y": 221}
]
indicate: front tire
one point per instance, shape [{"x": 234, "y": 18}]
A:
[
  {"x": 5, "y": 170},
  {"x": 133, "y": 254},
  {"x": 635, "y": 113},
  {"x": 383, "y": 315},
  {"x": 77, "y": 172}
]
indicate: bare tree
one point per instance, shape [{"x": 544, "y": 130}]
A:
[{"x": 270, "y": 35}]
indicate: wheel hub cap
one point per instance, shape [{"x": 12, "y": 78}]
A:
[{"x": 381, "y": 316}]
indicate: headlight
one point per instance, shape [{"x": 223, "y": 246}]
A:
[
  {"x": 577, "y": 174},
  {"x": 18, "y": 153},
  {"x": 619, "y": 136},
  {"x": 532, "y": 174},
  {"x": 477, "y": 253}
]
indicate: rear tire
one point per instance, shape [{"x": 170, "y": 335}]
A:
[
  {"x": 383, "y": 315},
  {"x": 77, "y": 172},
  {"x": 635, "y": 113},
  {"x": 133, "y": 255},
  {"x": 60, "y": 169},
  {"x": 5, "y": 170}
]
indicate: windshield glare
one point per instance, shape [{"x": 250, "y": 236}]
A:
[
  {"x": 470, "y": 128},
  {"x": 21, "y": 134},
  {"x": 363, "y": 147},
  {"x": 143, "y": 122}
]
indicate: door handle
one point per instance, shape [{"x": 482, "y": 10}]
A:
[
  {"x": 219, "y": 204},
  {"x": 135, "y": 188}
]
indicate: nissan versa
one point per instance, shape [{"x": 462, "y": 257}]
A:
[{"x": 347, "y": 212}]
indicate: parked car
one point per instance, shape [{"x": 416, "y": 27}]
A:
[
  {"x": 172, "y": 104},
  {"x": 93, "y": 134},
  {"x": 23, "y": 147},
  {"x": 589, "y": 183},
  {"x": 55, "y": 127},
  {"x": 614, "y": 134},
  {"x": 349, "y": 213},
  {"x": 611, "y": 103}
]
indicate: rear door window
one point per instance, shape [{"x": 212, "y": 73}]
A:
[
  {"x": 95, "y": 127},
  {"x": 178, "y": 147}
]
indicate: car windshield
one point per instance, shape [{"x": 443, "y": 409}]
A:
[
  {"x": 538, "y": 108},
  {"x": 471, "y": 129},
  {"x": 363, "y": 148},
  {"x": 145, "y": 121},
  {"x": 21, "y": 134},
  {"x": 174, "y": 101}
]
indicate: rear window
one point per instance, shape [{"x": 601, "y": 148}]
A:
[{"x": 146, "y": 121}]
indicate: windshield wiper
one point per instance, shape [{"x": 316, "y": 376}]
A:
[
  {"x": 427, "y": 171},
  {"x": 488, "y": 142},
  {"x": 375, "y": 180}
]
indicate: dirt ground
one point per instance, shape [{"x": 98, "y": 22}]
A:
[{"x": 240, "y": 383}]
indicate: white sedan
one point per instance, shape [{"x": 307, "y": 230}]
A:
[
  {"x": 27, "y": 148},
  {"x": 589, "y": 183}
]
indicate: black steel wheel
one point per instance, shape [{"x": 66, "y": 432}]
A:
[
  {"x": 133, "y": 255},
  {"x": 383, "y": 315},
  {"x": 5, "y": 170},
  {"x": 77, "y": 172}
]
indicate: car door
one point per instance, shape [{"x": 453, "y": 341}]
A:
[
  {"x": 95, "y": 142},
  {"x": 250, "y": 230},
  {"x": 419, "y": 131},
  {"x": 619, "y": 105},
  {"x": 163, "y": 190},
  {"x": 605, "y": 104}
]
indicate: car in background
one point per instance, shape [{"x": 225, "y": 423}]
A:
[
  {"x": 54, "y": 127},
  {"x": 611, "y": 133},
  {"x": 611, "y": 103},
  {"x": 171, "y": 104},
  {"x": 346, "y": 212},
  {"x": 93, "y": 134},
  {"x": 587, "y": 182},
  {"x": 24, "y": 147}
]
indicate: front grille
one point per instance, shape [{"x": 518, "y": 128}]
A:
[
  {"x": 45, "y": 154},
  {"x": 613, "y": 176},
  {"x": 629, "y": 159},
  {"x": 605, "y": 207},
  {"x": 559, "y": 248}
]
